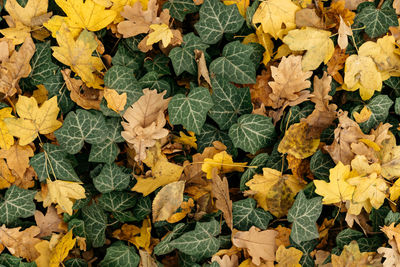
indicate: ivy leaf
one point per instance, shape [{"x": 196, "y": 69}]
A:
[
  {"x": 152, "y": 80},
  {"x": 245, "y": 214},
  {"x": 75, "y": 262},
  {"x": 127, "y": 58},
  {"x": 18, "y": 203},
  {"x": 95, "y": 224},
  {"x": 217, "y": 19},
  {"x": 80, "y": 126},
  {"x": 119, "y": 254},
  {"x": 117, "y": 201},
  {"x": 252, "y": 132},
  {"x": 41, "y": 64},
  {"x": 183, "y": 58},
  {"x": 201, "y": 241},
  {"x": 303, "y": 214},
  {"x": 190, "y": 110},
  {"x": 142, "y": 208},
  {"x": 377, "y": 21},
  {"x": 379, "y": 105},
  {"x": 108, "y": 150},
  {"x": 111, "y": 178},
  {"x": 230, "y": 102},
  {"x": 179, "y": 8},
  {"x": 209, "y": 134},
  {"x": 235, "y": 64},
  {"x": 159, "y": 64},
  {"x": 55, "y": 85},
  {"x": 165, "y": 247},
  {"x": 346, "y": 236},
  {"x": 306, "y": 247},
  {"x": 53, "y": 158},
  {"x": 320, "y": 164}
]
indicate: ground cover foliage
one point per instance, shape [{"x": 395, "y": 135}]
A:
[{"x": 199, "y": 133}]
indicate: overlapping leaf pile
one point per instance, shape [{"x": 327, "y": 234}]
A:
[{"x": 199, "y": 133}]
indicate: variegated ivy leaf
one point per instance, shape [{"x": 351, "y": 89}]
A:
[
  {"x": 154, "y": 80},
  {"x": 379, "y": 106},
  {"x": 179, "y": 8},
  {"x": 55, "y": 85},
  {"x": 119, "y": 254},
  {"x": 159, "y": 64},
  {"x": 95, "y": 224},
  {"x": 183, "y": 58},
  {"x": 190, "y": 110},
  {"x": 252, "y": 132},
  {"x": 117, "y": 201},
  {"x": 17, "y": 203},
  {"x": 165, "y": 247},
  {"x": 200, "y": 242},
  {"x": 111, "y": 177},
  {"x": 230, "y": 102},
  {"x": 235, "y": 64},
  {"x": 217, "y": 19},
  {"x": 127, "y": 58},
  {"x": 209, "y": 134},
  {"x": 245, "y": 214},
  {"x": 79, "y": 126}
]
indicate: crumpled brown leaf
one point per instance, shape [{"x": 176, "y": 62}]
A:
[
  {"x": 16, "y": 67},
  {"x": 307, "y": 17},
  {"x": 17, "y": 157},
  {"x": 259, "y": 244},
  {"x": 48, "y": 223},
  {"x": 145, "y": 122},
  {"x": 220, "y": 191},
  {"x": 336, "y": 63},
  {"x": 86, "y": 97}
]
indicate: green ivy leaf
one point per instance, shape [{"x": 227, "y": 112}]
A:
[
  {"x": 320, "y": 164},
  {"x": 159, "y": 64},
  {"x": 230, "y": 102},
  {"x": 379, "y": 106},
  {"x": 18, "y": 203},
  {"x": 377, "y": 21},
  {"x": 53, "y": 159},
  {"x": 397, "y": 106},
  {"x": 306, "y": 247},
  {"x": 142, "y": 208},
  {"x": 346, "y": 236},
  {"x": 75, "y": 262},
  {"x": 153, "y": 80},
  {"x": 201, "y": 241},
  {"x": 235, "y": 64},
  {"x": 119, "y": 254},
  {"x": 126, "y": 58},
  {"x": 95, "y": 224},
  {"x": 190, "y": 110},
  {"x": 392, "y": 217},
  {"x": 209, "y": 134},
  {"x": 117, "y": 201},
  {"x": 165, "y": 247},
  {"x": 41, "y": 64},
  {"x": 179, "y": 8},
  {"x": 80, "y": 126},
  {"x": 111, "y": 178},
  {"x": 245, "y": 214},
  {"x": 55, "y": 85},
  {"x": 183, "y": 57},
  {"x": 303, "y": 214},
  {"x": 252, "y": 132},
  {"x": 217, "y": 19},
  {"x": 108, "y": 150}
]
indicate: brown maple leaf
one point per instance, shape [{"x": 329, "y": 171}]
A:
[
  {"x": 48, "y": 223},
  {"x": 336, "y": 63}
]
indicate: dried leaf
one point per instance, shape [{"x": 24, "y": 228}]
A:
[
  {"x": 220, "y": 191},
  {"x": 48, "y": 223},
  {"x": 167, "y": 201}
]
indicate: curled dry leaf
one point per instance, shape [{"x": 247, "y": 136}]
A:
[
  {"x": 308, "y": 17},
  {"x": 202, "y": 70},
  {"x": 167, "y": 201},
  {"x": 336, "y": 63},
  {"x": 145, "y": 122},
  {"x": 220, "y": 191},
  {"x": 344, "y": 31}
]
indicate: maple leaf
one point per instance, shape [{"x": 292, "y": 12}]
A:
[
  {"x": 392, "y": 254},
  {"x": 62, "y": 193},
  {"x": 226, "y": 260},
  {"x": 33, "y": 120},
  {"x": 115, "y": 101},
  {"x": 24, "y": 20},
  {"x": 161, "y": 32},
  {"x": 189, "y": 140},
  {"x": 259, "y": 244},
  {"x": 6, "y": 177},
  {"x": 389, "y": 157},
  {"x": 163, "y": 172},
  {"x": 48, "y": 223},
  {"x": 167, "y": 200},
  {"x": 17, "y": 157},
  {"x": 145, "y": 122},
  {"x": 273, "y": 191},
  {"x": 307, "y": 17},
  {"x": 20, "y": 243},
  {"x": 272, "y": 14},
  {"x": 220, "y": 191},
  {"x": 16, "y": 67},
  {"x": 351, "y": 255},
  {"x": 140, "y": 237},
  {"x": 317, "y": 42},
  {"x": 6, "y": 139},
  {"x": 336, "y": 63},
  {"x": 61, "y": 250},
  {"x": 223, "y": 162},
  {"x": 363, "y": 116},
  {"x": 78, "y": 55},
  {"x": 288, "y": 257},
  {"x": 337, "y": 190}
]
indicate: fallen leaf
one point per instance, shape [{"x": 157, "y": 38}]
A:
[
  {"x": 48, "y": 223},
  {"x": 351, "y": 256},
  {"x": 220, "y": 191},
  {"x": 140, "y": 237},
  {"x": 189, "y": 140},
  {"x": 161, "y": 32},
  {"x": 115, "y": 101},
  {"x": 288, "y": 257},
  {"x": 392, "y": 254},
  {"x": 308, "y": 17},
  {"x": 223, "y": 162},
  {"x": 17, "y": 158},
  {"x": 167, "y": 201},
  {"x": 6, "y": 177},
  {"x": 336, "y": 63},
  {"x": 6, "y": 139},
  {"x": 344, "y": 31},
  {"x": 60, "y": 252},
  {"x": 226, "y": 261},
  {"x": 202, "y": 70}
]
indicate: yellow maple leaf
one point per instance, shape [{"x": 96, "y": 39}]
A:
[
  {"x": 275, "y": 192},
  {"x": 189, "y": 140},
  {"x": 45, "y": 253},
  {"x": 361, "y": 72},
  {"x": 78, "y": 55},
  {"x": 6, "y": 178},
  {"x": 224, "y": 164},
  {"x": 277, "y": 17},
  {"x": 288, "y": 257},
  {"x": 161, "y": 32},
  {"x": 317, "y": 42},
  {"x": 40, "y": 94},
  {"x": 33, "y": 120},
  {"x": 337, "y": 189},
  {"x": 6, "y": 139},
  {"x": 163, "y": 172},
  {"x": 24, "y": 20},
  {"x": 242, "y": 5},
  {"x": 87, "y": 14},
  {"x": 115, "y": 101},
  {"x": 60, "y": 252},
  {"x": 63, "y": 193},
  {"x": 296, "y": 143},
  {"x": 389, "y": 158},
  {"x": 55, "y": 22},
  {"x": 351, "y": 256},
  {"x": 140, "y": 237},
  {"x": 363, "y": 116},
  {"x": 17, "y": 158}
]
